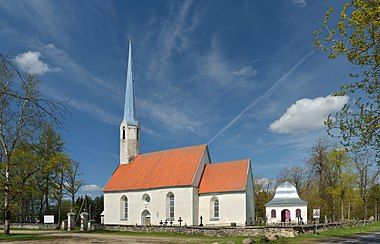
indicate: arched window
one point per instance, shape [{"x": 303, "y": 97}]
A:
[
  {"x": 298, "y": 212},
  {"x": 124, "y": 208},
  {"x": 170, "y": 206},
  {"x": 123, "y": 132},
  {"x": 216, "y": 208},
  {"x": 273, "y": 213}
]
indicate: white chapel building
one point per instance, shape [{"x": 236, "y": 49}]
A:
[
  {"x": 177, "y": 186},
  {"x": 286, "y": 207}
]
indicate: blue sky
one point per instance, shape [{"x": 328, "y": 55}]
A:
[{"x": 240, "y": 75}]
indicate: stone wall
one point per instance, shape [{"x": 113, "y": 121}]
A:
[
  {"x": 270, "y": 232},
  {"x": 38, "y": 226},
  {"x": 206, "y": 231},
  {"x": 321, "y": 227}
]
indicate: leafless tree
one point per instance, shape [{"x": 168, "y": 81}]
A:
[
  {"x": 73, "y": 183},
  {"x": 295, "y": 174}
]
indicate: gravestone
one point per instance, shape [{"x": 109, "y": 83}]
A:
[{"x": 64, "y": 225}]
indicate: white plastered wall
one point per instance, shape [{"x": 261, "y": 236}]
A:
[
  {"x": 292, "y": 210},
  {"x": 197, "y": 178},
  {"x": 183, "y": 204},
  {"x": 232, "y": 208},
  {"x": 250, "y": 202}
]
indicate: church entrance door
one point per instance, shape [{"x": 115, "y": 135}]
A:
[
  {"x": 285, "y": 216},
  {"x": 145, "y": 217}
]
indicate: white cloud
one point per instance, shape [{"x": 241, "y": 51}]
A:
[
  {"x": 30, "y": 62},
  {"x": 308, "y": 114},
  {"x": 300, "y": 2},
  {"x": 91, "y": 188},
  {"x": 246, "y": 71}
]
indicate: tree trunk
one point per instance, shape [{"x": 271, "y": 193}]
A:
[
  {"x": 333, "y": 211},
  {"x": 7, "y": 210},
  {"x": 349, "y": 211},
  {"x": 59, "y": 215},
  {"x": 342, "y": 211},
  {"x": 41, "y": 208},
  {"x": 46, "y": 195},
  {"x": 72, "y": 202}
]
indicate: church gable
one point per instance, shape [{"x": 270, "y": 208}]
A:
[
  {"x": 175, "y": 167},
  {"x": 225, "y": 177}
]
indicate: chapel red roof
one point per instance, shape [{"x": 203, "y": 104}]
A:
[
  {"x": 224, "y": 177},
  {"x": 174, "y": 167}
]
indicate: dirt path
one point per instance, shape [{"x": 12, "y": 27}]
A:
[{"x": 69, "y": 237}]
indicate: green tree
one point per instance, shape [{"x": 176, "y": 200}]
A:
[
  {"x": 367, "y": 173},
  {"x": 374, "y": 200},
  {"x": 22, "y": 112},
  {"x": 61, "y": 168},
  {"x": 356, "y": 36},
  {"x": 341, "y": 180},
  {"x": 50, "y": 144},
  {"x": 317, "y": 165},
  {"x": 263, "y": 190}
]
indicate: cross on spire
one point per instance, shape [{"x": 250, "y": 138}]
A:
[{"x": 129, "y": 104}]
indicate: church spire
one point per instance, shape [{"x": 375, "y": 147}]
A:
[
  {"x": 129, "y": 104},
  {"x": 129, "y": 127}
]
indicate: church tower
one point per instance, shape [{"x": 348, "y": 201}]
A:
[{"x": 129, "y": 127}]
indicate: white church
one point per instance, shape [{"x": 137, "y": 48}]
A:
[{"x": 179, "y": 186}]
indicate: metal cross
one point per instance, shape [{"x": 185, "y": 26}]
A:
[
  {"x": 201, "y": 221},
  {"x": 180, "y": 221}
]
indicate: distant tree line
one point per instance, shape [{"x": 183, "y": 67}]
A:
[{"x": 342, "y": 184}]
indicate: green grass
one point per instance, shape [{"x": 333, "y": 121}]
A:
[
  {"x": 23, "y": 237},
  {"x": 190, "y": 238},
  {"x": 332, "y": 233},
  {"x": 194, "y": 238}
]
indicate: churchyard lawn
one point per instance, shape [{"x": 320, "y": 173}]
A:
[{"x": 42, "y": 236}]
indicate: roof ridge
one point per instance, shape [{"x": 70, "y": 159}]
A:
[
  {"x": 232, "y": 161},
  {"x": 170, "y": 149}
]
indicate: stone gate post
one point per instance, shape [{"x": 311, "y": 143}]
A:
[
  {"x": 83, "y": 221},
  {"x": 70, "y": 221}
]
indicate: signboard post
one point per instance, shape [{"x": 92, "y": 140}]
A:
[
  {"x": 48, "y": 219},
  {"x": 316, "y": 213},
  {"x": 316, "y": 216}
]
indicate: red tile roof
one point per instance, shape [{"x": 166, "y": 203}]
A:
[
  {"x": 174, "y": 167},
  {"x": 224, "y": 177}
]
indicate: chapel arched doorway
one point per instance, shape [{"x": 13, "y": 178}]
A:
[
  {"x": 285, "y": 216},
  {"x": 145, "y": 217}
]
